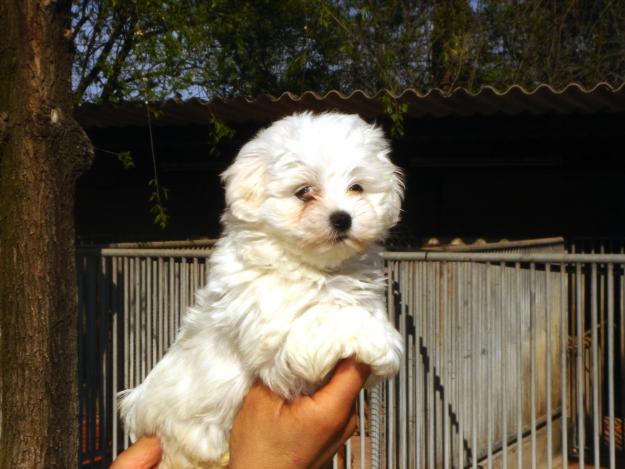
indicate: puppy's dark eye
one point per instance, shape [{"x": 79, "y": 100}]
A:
[
  {"x": 305, "y": 193},
  {"x": 355, "y": 188}
]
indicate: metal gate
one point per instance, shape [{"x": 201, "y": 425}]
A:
[{"x": 513, "y": 359}]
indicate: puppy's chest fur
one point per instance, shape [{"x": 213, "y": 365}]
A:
[{"x": 255, "y": 306}]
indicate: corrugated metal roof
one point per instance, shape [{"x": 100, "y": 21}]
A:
[{"x": 544, "y": 99}]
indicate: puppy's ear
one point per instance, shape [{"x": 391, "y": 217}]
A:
[
  {"x": 396, "y": 195},
  {"x": 393, "y": 193},
  {"x": 245, "y": 181}
]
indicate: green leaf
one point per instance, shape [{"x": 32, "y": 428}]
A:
[{"x": 125, "y": 158}]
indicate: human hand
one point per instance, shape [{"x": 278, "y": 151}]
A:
[
  {"x": 270, "y": 432},
  {"x": 145, "y": 453}
]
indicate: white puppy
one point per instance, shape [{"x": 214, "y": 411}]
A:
[{"x": 295, "y": 285}]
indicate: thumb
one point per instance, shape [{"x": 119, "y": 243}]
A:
[
  {"x": 342, "y": 390},
  {"x": 145, "y": 453}
]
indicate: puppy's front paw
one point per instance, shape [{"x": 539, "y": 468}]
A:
[
  {"x": 313, "y": 348},
  {"x": 323, "y": 336},
  {"x": 382, "y": 348}
]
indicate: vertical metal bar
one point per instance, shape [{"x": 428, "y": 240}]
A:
[
  {"x": 136, "y": 329},
  {"x": 417, "y": 268},
  {"x": 171, "y": 312},
  {"x": 478, "y": 349},
  {"x": 174, "y": 310},
  {"x": 148, "y": 316},
  {"x": 403, "y": 418},
  {"x": 595, "y": 365},
  {"x": 474, "y": 358},
  {"x": 461, "y": 301},
  {"x": 156, "y": 356},
  {"x": 454, "y": 294},
  {"x": 439, "y": 371},
  {"x": 533, "y": 360},
  {"x": 179, "y": 294},
  {"x": 361, "y": 425},
  {"x": 348, "y": 453},
  {"x": 126, "y": 320},
  {"x": 114, "y": 355},
  {"x": 390, "y": 398},
  {"x": 611, "y": 332},
  {"x": 104, "y": 359},
  {"x": 396, "y": 411},
  {"x": 580, "y": 364},
  {"x": 194, "y": 276},
  {"x": 452, "y": 404},
  {"x": 548, "y": 367},
  {"x": 413, "y": 270},
  {"x": 375, "y": 425},
  {"x": 141, "y": 323},
  {"x": 408, "y": 296},
  {"x": 490, "y": 317},
  {"x": 622, "y": 344},
  {"x": 601, "y": 344},
  {"x": 430, "y": 346},
  {"x": 403, "y": 425},
  {"x": 564, "y": 336},
  {"x": 519, "y": 366},
  {"x": 165, "y": 302},
  {"x": 446, "y": 365},
  {"x": 184, "y": 287},
  {"x": 437, "y": 353},
  {"x": 503, "y": 314},
  {"x": 162, "y": 324}
]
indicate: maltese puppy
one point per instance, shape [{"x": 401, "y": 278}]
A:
[{"x": 295, "y": 285}]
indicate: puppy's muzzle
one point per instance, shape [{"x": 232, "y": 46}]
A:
[{"x": 341, "y": 221}]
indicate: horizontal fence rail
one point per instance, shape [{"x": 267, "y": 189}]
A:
[{"x": 514, "y": 359}]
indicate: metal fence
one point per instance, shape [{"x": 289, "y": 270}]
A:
[{"x": 513, "y": 359}]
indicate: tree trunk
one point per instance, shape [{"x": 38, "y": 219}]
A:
[{"x": 42, "y": 151}]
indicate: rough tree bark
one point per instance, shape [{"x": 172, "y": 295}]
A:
[{"x": 42, "y": 151}]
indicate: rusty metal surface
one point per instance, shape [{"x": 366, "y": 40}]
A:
[{"x": 514, "y": 101}]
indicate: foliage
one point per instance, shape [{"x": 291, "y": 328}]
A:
[
  {"x": 396, "y": 111},
  {"x": 135, "y": 49},
  {"x": 154, "y": 49},
  {"x": 157, "y": 200},
  {"x": 219, "y": 131},
  {"x": 125, "y": 158}
]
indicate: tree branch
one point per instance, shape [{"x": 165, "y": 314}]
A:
[
  {"x": 88, "y": 79},
  {"x": 83, "y": 17},
  {"x": 95, "y": 33},
  {"x": 113, "y": 79}
]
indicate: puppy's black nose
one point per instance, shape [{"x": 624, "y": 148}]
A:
[{"x": 341, "y": 220}]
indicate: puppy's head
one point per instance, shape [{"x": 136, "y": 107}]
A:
[{"x": 322, "y": 185}]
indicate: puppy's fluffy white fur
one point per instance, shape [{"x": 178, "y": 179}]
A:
[{"x": 288, "y": 293}]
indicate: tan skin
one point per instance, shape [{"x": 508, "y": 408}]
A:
[{"x": 270, "y": 432}]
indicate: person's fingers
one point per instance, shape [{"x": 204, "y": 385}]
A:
[
  {"x": 145, "y": 453},
  {"x": 342, "y": 390},
  {"x": 259, "y": 394}
]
